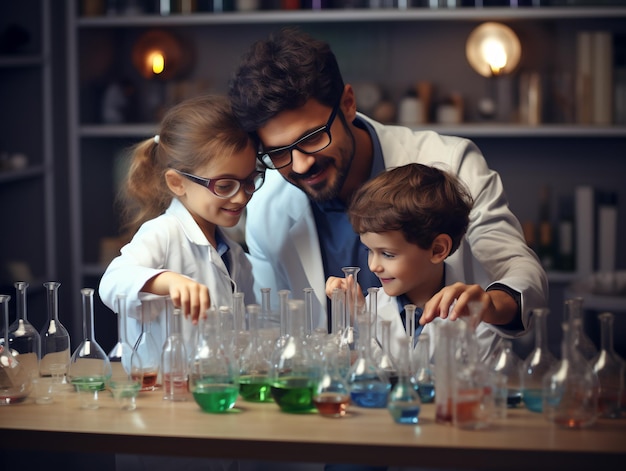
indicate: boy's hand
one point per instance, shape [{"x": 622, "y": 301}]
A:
[{"x": 459, "y": 300}]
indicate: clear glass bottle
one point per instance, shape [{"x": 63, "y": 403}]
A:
[
  {"x": 423, "y": 369},
  {"x": 293, "y": 372},
  {"x": 352, "y": 306},
  {"x": 538, "y": 362},
  {"x": 283, "y": 309},
  {"x": 570, "y": 388},
  {"x": 369, "y": 386},
  {"x": 145, "y": 346},
  {"x": 404, "y": 403},
  {"x": 254, "y": 364},
  {"x": 505, "y": 361},
  {"x": 445, "y": 370},
  {"x": 214, "y": 375},
  {"x": 610, "y": 369},
  {"x": 240, "y": 332},
  {"x": 125, "y": 362},
  {"x": 372, "y": 310},
  {"x": 24, "y": 339},
  {"x": 14, "y": 380},
  {"x": 332, "y": 394},
  {"x": 55, "y": 339},
  {"x": 90, "y": 368},
  {"x": 582, "y": 342},
  {"x": 174, "y": 360}
]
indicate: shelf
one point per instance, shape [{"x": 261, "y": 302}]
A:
[
  {"x": 21, "y": 60},
  {"x": 467, "y": 130},
  {"x": 16, "y": 175},
  {"x": 354, "y": 15}
]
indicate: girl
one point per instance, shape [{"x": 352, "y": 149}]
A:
[{"x": 193, "y": 178}]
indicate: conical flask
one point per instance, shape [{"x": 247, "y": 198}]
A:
[
  {"x": 537, "y": 363},
  {"x": 145, "y": 346},
  {"x": 14, "y": 380},
  {"x": 580, "y": 340},
  {"x": 404, "y": 403},
  {"x": 23, "y": 337},
  {"x": 293, "y": 373},
  {"x": 369, "y": 386},
  {"x": 610, "y": 369},
  {"x": 174, "y": 360},
  {"x": 55, "y": 339},
  {"x": 423, "y": 369},
  {"x": 570, "y": 388},
  {"x": 254, "y": 364},
  {"x": 507, "y": 363},
  {"x": 214, "y": 376},
  {"x": 332, "y": 394},
  {"x": 90, "y": 368}
]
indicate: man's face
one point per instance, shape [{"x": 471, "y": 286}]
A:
[{"x": 322, "y": 174}]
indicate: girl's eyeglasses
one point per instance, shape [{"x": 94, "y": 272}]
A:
[{"x": 228, "y": 187}]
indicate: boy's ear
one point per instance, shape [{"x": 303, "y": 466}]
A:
[
  {"x": 174, "y": 182},
  {"x": 440, "y": 248}
]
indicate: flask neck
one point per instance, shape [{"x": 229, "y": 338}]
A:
[
  {"x": 20, "y": 291},
  {"x": 606, "y": 332},
  {"x": 53, "y": 300}
]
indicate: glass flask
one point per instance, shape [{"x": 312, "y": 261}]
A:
[
  {"x": 404, "y": 403},
  {"x": 372, "y": 309},
  {"x": 213, "y": 374},
  {"x": 125, "y": 361},
  {"x": 538, "y": 362},
  {"x": 506, "y": 362},
  {"x": 283, "y": 309},
  {"x": 174, "y": 360},
  {"x": 610, "y": 369},
  {"x": 338, "y": 318},
  {"x": 582, "y": 342},
  {"x": 385, "y": 360},
  {"x": 352, "y": 307},
  {"x": 369, "y": 386},
  {"x": 90, "y": 368},
  {"x": 24, "y": 339},
  {"x": 55, "y": 339},
  {"x": 254, "y": 363},
  {"x": 293, "y": 372},
  {"x": 570, "y": 388},
  {"x": 332, "y": 395},
  {"x": 445, "y": 370},
  {"x": 14, "y": 379},
  {"x": 269, "y": 324},
  {"x": 146, "y": 347},
  {"x": 240, "y": 333},
  {"x": 423, "y": 369}
]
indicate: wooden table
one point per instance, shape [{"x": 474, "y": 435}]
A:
[{"x": 523, "y": 440}]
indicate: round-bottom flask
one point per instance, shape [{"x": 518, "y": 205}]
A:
[{"x": 14, "y": 380}]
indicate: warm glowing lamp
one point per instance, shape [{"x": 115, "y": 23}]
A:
[
  {"x": 493, "y": 49},
  {"x": 159, "y": 54}
]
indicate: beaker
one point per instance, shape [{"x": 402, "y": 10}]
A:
[
  {"x": 404, "y": 403},
  {"x": 537, "y": 363},
  {"x": 213, "y": 374},
  {"x": 14, "y": 379},
  {"x": 24, "y": 339},
  {"x": 55, "y": 339},
  {"x": 254, "y": 364},
  {"x": 293, "y": 372},
  {"x": 146, "y": 347},
  {"x": 90, "y": 368},
  {"x": 174, "y": 360}
]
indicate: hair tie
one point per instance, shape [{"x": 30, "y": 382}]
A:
[{"x": 156, "y": 138}]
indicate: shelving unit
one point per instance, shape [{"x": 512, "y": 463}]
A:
[
  {"x": 27, "y": 193},
  {"x": 390, "y": 47}
]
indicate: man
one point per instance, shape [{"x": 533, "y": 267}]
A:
[{"x": 288, "y": 91}]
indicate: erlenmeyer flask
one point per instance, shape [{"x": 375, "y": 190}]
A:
[
  {"x": 582, "y": 342},
  {"x": 293, "y": 372},
  {"x": 332, "y": 395},
  {"x": 214, "y": 378},
  {"x": 423, "y": 369},
  {"x": 254, "y": 363},
  {"x": 145, "y": 346},
  {"x": 507, "y": 363},
  {"x": 24, "y": 339},
  {"x": 90, "y": 368},
  {"x": 174, "y": 360},
  {"x": 14, "y": 380},
  {"x": 55, "y": 339},
  {"x": 570, "y": 388},
  {"x": 404, "y": 403},
  {"x": 610, "y": 369},
  {"x": 369, "y": 386},
  {"x": 537, "y": 363}
]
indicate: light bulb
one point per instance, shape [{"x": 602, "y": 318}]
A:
[{"x": 493, "y": 49}]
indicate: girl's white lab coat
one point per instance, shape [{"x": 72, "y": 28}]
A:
[{"x": 173, "y": 242}]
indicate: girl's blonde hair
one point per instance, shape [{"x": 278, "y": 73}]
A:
[{"x": 190, "y": 135}]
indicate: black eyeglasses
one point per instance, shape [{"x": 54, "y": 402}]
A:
[
  {"x": 228, "y": 187},
  {"x": 310, "y": 144}
]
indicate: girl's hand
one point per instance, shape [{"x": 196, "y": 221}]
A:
[{"x": 190, "y": 296}]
